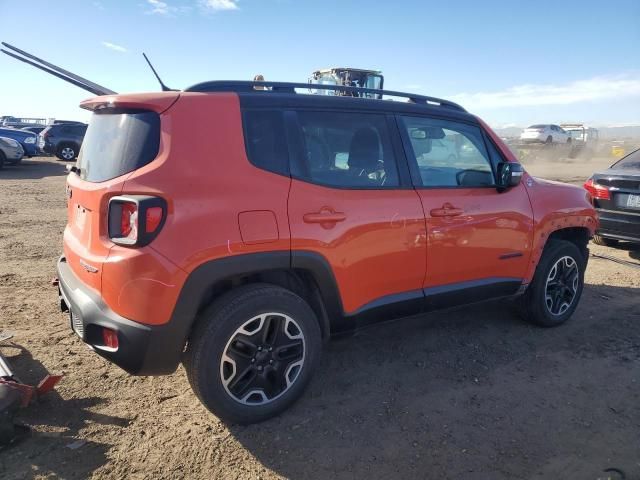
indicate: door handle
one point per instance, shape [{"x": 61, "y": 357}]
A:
[
  {"x": 324, "y": 216},
  {"x": 447, "y": 210}
]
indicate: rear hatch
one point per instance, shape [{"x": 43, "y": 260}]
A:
[
  {"x": 118, "y": 141},
  {"x": 619, "y": 202},
  {"x": 624, "y": 190}
]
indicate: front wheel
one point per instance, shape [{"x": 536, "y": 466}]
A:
[
  {"x": 253, "y": 352},
  {"x": 557, "y": 285}
]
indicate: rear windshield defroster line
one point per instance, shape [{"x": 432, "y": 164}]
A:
[{"x": 118, "y": 142}]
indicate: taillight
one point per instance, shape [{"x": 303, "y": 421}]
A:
[
  {"x": 135, "y": 220},
  {"x": 597, "y": 191}
]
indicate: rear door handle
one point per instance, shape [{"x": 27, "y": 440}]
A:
[
  {"x": 447, "y": 210},
  {"x": 325, "y": 215}
]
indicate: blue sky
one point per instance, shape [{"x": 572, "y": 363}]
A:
[{"x": 513, "y": 63}]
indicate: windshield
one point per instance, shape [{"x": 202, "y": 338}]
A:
[
  {"x": 631, "y": 161},
  {"x": 575, "y": 133},
  {"x": 373, "y": 81},
  {"x": 118, "y": 142}
]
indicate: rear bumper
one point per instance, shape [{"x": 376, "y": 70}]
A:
[
  {"x": 619, "y": 225},
  {"x": 142, "y": 349}
]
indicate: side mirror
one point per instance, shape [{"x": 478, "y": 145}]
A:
[{"x": 509, "y": 175}]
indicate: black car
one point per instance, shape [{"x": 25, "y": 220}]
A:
[
  {"x": 62, "y": 140},
  {"x": 616, "y": 197}
]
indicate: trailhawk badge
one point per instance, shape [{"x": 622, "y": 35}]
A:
[{"x": 87, "y": 267}]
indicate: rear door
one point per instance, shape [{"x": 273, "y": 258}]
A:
[
  {"x": 351, "y": 202},
  {"x": 478, "y": 240}
]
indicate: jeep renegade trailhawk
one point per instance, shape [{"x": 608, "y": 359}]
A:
[{"x": 234, "y": 226}]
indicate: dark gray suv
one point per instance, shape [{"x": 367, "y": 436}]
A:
[{"x": 62, "y": 140}]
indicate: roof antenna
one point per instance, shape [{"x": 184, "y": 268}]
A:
[{"x": 164, "y": 87}]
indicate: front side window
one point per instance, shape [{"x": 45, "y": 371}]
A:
[
  {"x": 349, "y": 150},
  {"x": 448, "y": 154}
]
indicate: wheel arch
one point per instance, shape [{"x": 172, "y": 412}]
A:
[
  {"x": 577, "y": 235},
  {"x": 307, "y": 274},
  {"x": 572, "y": 229}
]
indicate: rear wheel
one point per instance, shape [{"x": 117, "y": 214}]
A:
[
  {"x": 2, "y": 159},
  {"x": 549, "y": 140},
  {"x": 605, "y": 242},
  {"x": 253, "y": 352},
  {"x": 555, "y": 290},
  {"x": 67, "y": 152}
]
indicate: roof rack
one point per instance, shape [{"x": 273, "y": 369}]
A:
[{"x": 288, "y": 87}]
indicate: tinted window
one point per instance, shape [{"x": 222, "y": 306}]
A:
[
  {"x": 448, "y": 154},
  {"x": 117, "y": 143},
  {"x": 346, "y": 150},
  {"x": 631, "y": 161},
  {"x": 266, "y": 141}
]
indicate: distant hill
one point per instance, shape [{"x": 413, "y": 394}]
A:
[{"x": 623, "y": 132}]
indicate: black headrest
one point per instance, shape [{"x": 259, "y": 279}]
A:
[{"x": 364, "y": 151}]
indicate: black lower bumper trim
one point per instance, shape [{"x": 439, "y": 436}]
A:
[{"x": 142, "y": 349}]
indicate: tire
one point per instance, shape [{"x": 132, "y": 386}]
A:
[
  {"x": 562, "y": 256},
  {"x": 605, "y": 242},
  {"x": 67, "y": 152},
  {"x": 234, "y": 330},
  {"x": 549, "y": 140},
  {"x": 3, "y": 159}
]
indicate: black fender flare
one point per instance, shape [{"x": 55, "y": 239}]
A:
[{"x": 202, "y": 279}]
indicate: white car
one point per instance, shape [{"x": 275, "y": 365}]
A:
[
  {"x": 11, "y": 152},
  {"x": 545, "y": 134}
]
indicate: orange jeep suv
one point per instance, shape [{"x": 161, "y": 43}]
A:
[{"x": 235, "y": 226}]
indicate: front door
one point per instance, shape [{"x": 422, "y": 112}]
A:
[
  {"x": 350, "y": 204},
  {"x": 478, "y": 240}
]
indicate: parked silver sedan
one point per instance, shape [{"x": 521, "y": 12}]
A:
[{"x": 11, "y": 152}]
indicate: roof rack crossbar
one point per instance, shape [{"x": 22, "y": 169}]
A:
[{"x": 290, "y": 87}]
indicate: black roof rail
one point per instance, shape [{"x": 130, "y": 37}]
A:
[{"x": 289, "y": 87}]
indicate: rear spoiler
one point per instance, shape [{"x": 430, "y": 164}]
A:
[{"x": 56, "y": 71}]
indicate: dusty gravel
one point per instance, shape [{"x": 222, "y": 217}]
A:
[{"x": 473, "y": 393}]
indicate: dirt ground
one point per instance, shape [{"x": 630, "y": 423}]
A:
[{"x": 472, "y": 393}]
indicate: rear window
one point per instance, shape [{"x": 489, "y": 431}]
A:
[
  {"x": 631, "y": 161},
  {"x": 118, "y": 142}
]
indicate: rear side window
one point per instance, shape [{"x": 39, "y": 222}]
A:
[
  {"x": 118, "y": 142},
  {"x": 266, "y": 141},
  {"x": 448, "y": 154},
  {"x": 348, "y": 150}
]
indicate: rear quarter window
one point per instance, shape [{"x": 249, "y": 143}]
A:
[
  {"x": 266, "y": 141},
  {"x": 118, "y": 142}
]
